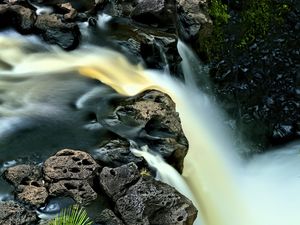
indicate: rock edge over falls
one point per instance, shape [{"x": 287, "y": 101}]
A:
[{"x": 124, "y": 182}]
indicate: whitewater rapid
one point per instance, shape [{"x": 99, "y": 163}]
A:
[{"x": 227, "y": 189}]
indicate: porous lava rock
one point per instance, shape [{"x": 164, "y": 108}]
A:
[
  {"x": 35, "y": 193},
  {"x": 54, "y": 31},
  {"x": 71, "y": 173},
  {"x": 153, "y": 11},
  {"x": 115, "y": 181},
  {"x": 107, "y": 217},
  {"x": 22, "y": 174},
  {"x": 144, "y": 200},
  {"x": 27, "y": 179},
  {"x": 80, "y": 190},
  {"x": 12, "y": 213},
  {"x": 17, "y": 16},
  {"x": 148, "y": 118},
  {"x": 193, "y": 18},
  {"x": 116, "y": 153}
]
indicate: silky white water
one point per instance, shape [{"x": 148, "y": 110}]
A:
[{"x": 228, "y": 191}]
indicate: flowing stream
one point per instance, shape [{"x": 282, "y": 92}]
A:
[{"x": 226, "y": 189}]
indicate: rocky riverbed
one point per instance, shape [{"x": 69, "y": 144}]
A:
[{"x": 255, "y": 77}]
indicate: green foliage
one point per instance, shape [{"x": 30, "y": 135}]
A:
[
  {"x": 258, "y": 17},
  {"x": 219, "y": 12},
  {"x": 72, "y": 216},
  {"x": 212, "y": 43},
  {"x": 255, "y": 18}
]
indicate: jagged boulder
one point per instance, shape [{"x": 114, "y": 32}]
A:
[
  {"x": 71, "y": 173},
  {"x": 116, "y": 153},
  {"x": 22, "y": 174},
  {"x": 107, "y": 217},
  {"x": 30, "y": 187},
  {"x": 17, "y": 16},
  {"x": 144, "y": 200},
  {"x": 12, "y": 213},
  {"x": 148, "y": 118}
]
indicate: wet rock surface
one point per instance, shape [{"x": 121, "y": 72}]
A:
[
  {"x": 115, "y": 181},
  {"x": 54, "y": 31},
  {"x": 148, "y": 118},
  {"x": 17, "y": 16},
  {"x": 143, "y": 200},
  {"x": 116, "y": 153},
  {"x": 69, "y": 164},
  {"x": 135, "y": 197},
  {"x": 12, "y": 213},
  {"x": 70, "y": 173}
]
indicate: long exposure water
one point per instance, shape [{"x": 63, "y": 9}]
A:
[{"x": 228, "y": 190}]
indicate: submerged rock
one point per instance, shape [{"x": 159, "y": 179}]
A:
[{"x": 12, "y": 213}]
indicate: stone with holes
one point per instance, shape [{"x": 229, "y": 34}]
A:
[
  {"x": 148, "y": 118},
  {"x": 115, "y": 180},
  {"x": 116, "y": 153},
  {"x": 34, "y": 193},
  {"x": 152, "y": 202},
  {"x": 79, "y": 190},
  {"x": 12, "y": 213},
  {"x": 71, "y": 165},
  {"x": 69, "y": 173},
  {"x": 107, "y": 217},
  {"x": 22, "y": 174},
  {"x": 144, "y": 200}
]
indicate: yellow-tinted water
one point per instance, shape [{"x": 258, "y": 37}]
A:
[{"x": 214, "y": 173}]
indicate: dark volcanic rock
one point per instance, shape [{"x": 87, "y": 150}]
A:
[
  {"x": 12, "y": 213},
  {"x": 71, "y": 173},
  {"x": 107, "y": 217},
  {"x": 54, "y": 31},
  {"x": 28, "y": 182},
  {"x": 148, "y": 118},
  {"x": 117, "y": 153},
  {"x": 70, "y": 165},
  {"x": 34, "y": 193},
  {"x": 193, "y": 18},
  {"x": 80, "y": 190},
  {"x": 257, "y": 85},
  {"x": 152, "y": 202},
  {"x": 19, "y": 17},
  {"x": 114, "y": 181},
  {"x": 144, "y": 200},
  {"x": 22, "y": 174},
  {"x": 153, "y": 11}
]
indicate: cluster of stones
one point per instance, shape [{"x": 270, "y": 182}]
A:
[
  {"x": 113, "y": 173},
  {"x": 137, "y": 199}
]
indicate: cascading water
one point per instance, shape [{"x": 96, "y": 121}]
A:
[{"x": 228, "y": 190}]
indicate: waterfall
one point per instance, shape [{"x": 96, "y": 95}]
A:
[{"x": 227, "y": 189}]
